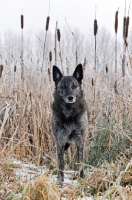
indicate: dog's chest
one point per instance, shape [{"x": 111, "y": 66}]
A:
[
  {"x": 70, "y": 132},
  {"x": 69, "y": 128}
]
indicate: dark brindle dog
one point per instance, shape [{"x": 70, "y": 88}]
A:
[{"x": 69, "y": 120}]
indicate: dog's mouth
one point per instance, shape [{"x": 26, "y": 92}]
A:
[{"x": 70, "y": 99}]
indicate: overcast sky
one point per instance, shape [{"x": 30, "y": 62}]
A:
[{"x": 78, "y": 13}]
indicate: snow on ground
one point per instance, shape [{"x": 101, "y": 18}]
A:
[{"x": 29, "y": 171}]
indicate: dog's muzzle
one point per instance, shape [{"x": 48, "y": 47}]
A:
[{"x": 70, "y": 99}]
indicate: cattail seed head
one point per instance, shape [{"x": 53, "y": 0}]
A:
[
  {"x": 95, "y": 27},
  {"x": 127, "y": 26},
  {"x": 50, "y": 56},
  {"x": 58, "y": 34},
  {"x": 116, "y": 21},
  {"x": 106, "y": 68},
  {"x": 126, "y": 42},
  {"x": 2, "y": 67},
  {"x": 47, "y": 23},
  {"x": 1, "y": 70},
  {"x": 22, "y": 21},
  {"x": 30, "y": 96},
  {"x": 49, "y": 74},
  {"x": 92, "y": 82},
  {"x": 15, "y": 68},
  {"x": 124, "y": 27}
]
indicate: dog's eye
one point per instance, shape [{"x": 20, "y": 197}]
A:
[{"x": 74, "y": 86}]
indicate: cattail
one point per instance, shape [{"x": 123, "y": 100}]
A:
[
  {"x": 30, "y": 96},
  {"x": 48, "y": 71},
  {"x": 127, "y": 26},
  {"x": 106, "y": 68},
  {"x": 47, "y": 23},
  {"x": 49, "y": 74},
  {"x": 50, "y": 56},
  {"x": 22, "y": 21},
  {"x": 58, "y": 34},
  {"x": 1, "y": 70},
  {"x": 15, "y": 68},
  {"x": 126, "y": 43},
  {"x": 124, "y": 27},
  {"x": 95, "y": 27},
  {"x": 116, "y": 21},
  {"x": 84, "y": 64},
  {"x": 92, "y": 82}
]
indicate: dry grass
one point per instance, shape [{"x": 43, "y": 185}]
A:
[
  {"x": 110, "y": 181},
  {"x": 25, "y": 132},
  {"x": 41, "y": 188}
]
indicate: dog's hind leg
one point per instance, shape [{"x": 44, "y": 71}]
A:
[{"x": 60, "y": 164}]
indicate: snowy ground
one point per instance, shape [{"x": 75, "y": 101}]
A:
[{"x": 30, "y": 171}]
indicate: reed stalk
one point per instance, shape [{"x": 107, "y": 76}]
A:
[
  {"x": 76, "y": 53},
  {"x": 46, "y": 29},
  {"x": 95, "y": 69},
  {"x": 59, "y": 37},
  {"x": 67, "y": 68},
  {"x": 125, "y": 36},
  {"x": 22, "y": 62},
  {"x": 55, "y": 49},
  {"x": 49, "y": 68},
  {"x": 116, "y": 29},
  {"x": 95, "y": 33}
]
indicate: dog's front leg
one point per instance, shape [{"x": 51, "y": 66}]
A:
[
  {"x": 80, "y": 158},
  {"x": 60, "y": 164}
]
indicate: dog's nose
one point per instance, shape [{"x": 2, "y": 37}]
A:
[{"x": 70, "y": 98}]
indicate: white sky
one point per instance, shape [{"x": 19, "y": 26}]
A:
[{"x": 78, "y": 13}]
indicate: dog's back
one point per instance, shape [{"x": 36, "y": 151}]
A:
[{"x": 69, "y": 121}]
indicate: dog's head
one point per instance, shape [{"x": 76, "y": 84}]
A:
[{"x": 68, "y": 87}]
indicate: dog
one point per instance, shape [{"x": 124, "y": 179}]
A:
[{"x": 69, "y": 116}]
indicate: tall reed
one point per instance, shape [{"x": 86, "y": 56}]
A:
[
  {"x": 60, "y": 54},
  {"x": 22, "y": 64},
  {"x": 125, "y": 36},
  {"x": 76, "y": 52},
  {"x": 95, "y": 68},
  {"x": 46, "y": 30},
  {"x": 95, "y": 33},
  {"x": 116, "y": 29},
  {"x": 55, "y": 48}
]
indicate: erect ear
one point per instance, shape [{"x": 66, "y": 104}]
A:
[
  {"x": 57, "y": 75},
  {"x": 78, "y": 73}
]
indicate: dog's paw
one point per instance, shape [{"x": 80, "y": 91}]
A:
[{"x": 59, "y": 183}]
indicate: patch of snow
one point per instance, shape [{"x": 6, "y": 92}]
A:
[
  {"x": 66, "y": 180},
  {"x": 29, "y": 171}
]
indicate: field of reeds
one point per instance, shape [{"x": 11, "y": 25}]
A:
[{"x": 26, "y": 95}]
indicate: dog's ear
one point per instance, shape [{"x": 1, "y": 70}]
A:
[
  {"x": 57, "y": 75},
  {"x": 78, "y": 73}
]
